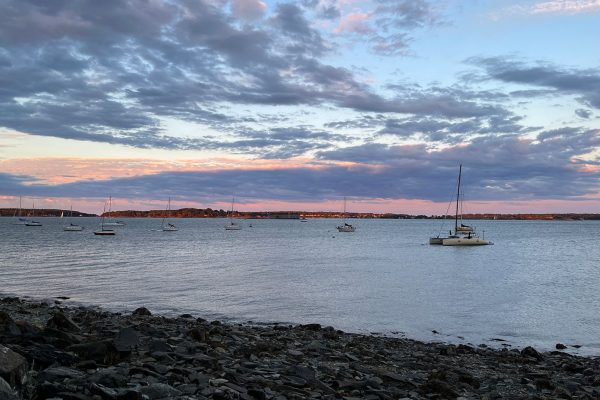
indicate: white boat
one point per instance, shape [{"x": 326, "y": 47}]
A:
[
  {"x": 104, "y": 231},
  {"x": 167, "y": 226},
  {"x": 464, "y": 235},
  {"x": 110, "y": 222},
  {"x": 71, "y": 227},
  {"x": 31, "y": 222},
  {"x": 345, "y": 227},
  {"x": 232, "y": 225},
  {"x": 19, "y": 220}
]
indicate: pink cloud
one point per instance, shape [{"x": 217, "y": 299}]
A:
[
  {"x": 248, "y": 10},
  {"x": 354, "y": 23}
]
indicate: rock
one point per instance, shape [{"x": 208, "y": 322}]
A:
[
  {"x": 186, "y": 316},
  {"x": 7, "y": 325},
  {"x": 198, "y": 334},
  {"x": 6, "y": 392},
  {"x": 58, "y": 374},
  {"x": 127, "y": 339},
  {"x": 311, "y": 327},
  {"x": 531, "y": 352},
  {"x": 159, "y": 346},
  {"x": 143, "y": 311},
  {"x": 306, "y": 373},
  {"x": 63, "y": 323},
  {"x": 103, "y": 391},
  {"x": 13, "y": 367},
  {"x": 109, "y": 377},
  {"x": 102, "y": 352},
  {"x": 560, "y": 346},
  {"x": 160, "y": 391}
]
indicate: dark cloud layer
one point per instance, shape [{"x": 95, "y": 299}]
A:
[{"x": 496, "y": 168}]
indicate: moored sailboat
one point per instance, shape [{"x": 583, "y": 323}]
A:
[
  {"x": 104, "y": 231},
  {"x": 71, "y": 227},
  {"x": 345, "y": 226},
  {"x": 111, "y": 222},
  {"x": 19, "y": 219},
  {"x": 167, "y": 226},
  {"x": 232, "y": 225},
  {"x": 31, "y": 222},
  {"x": 464, "y": 235}
]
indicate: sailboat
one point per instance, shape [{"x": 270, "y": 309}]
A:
[
  {"x": 345, "y": 227},
  {"x": 167, "y": 226},
  {"x": 20, "y": 220},
  {"x": 71, "y": 227},
  {"x": 104, "y": 231},
  {"x": 31, "y": 222},
  {"x": 111, "y": 222},
  {"x": 232, "y": 225},
  {"x": 464, "y": 235}
]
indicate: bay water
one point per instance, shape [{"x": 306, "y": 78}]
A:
[{"x": 539, "y": 284}]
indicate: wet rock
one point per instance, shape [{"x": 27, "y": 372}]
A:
[
  {"x": 127, "y": 339},
  {"x": 8, "y": 325},
  {"x": 6, "y": 392},
  {"x": 160, "y": 391},
  {"x": 13, "y": 367},
  {"x": 61, "y": 322},
  {"x": 560, "y": 346},
  {"x": 58, "y": 374},
  {"x": 102, "y": 351},
  {"x": 159, "y": 346},
  {"x": 531, "y": 352},
  {"x": 142, "y": 311}
]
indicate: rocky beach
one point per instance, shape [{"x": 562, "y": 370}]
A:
[{"x": 51, "y": 350}]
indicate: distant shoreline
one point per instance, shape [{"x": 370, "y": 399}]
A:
[{"x": 294, "y": 215}]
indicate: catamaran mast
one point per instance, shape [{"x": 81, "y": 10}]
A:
[{"x": 457, "y": 200}]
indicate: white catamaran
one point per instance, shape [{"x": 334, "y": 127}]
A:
[
  {"x": 345, "y": 227},
  {"x": 464, "y": 235}
]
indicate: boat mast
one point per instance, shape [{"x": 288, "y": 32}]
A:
[{"x": 457, "y": 199}]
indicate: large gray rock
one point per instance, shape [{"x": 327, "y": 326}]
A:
[
  {"x": 6, "y": 392},
  {"x": 126, "y": 340},
  {"x": 63, "y": 323},
  {"x": 160, "y": 391},
  {"x": 102, "y": 351},
  {"x": 58, "y": 374},
  {"x": 13, "y": 367},
  {"x": 8, "y": 325}
]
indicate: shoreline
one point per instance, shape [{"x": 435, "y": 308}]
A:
[{"x": 83, "y": 352}]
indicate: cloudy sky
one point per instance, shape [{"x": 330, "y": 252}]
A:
[{"x": 294, "y": 105}]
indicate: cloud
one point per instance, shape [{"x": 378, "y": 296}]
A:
[
  {"x": 354, "y": 23},
  {"x": 584, "y": 83},
  {"x": 248, "y": 10},
  {"x": 585, "y": 114},
  {"x": 553, "y": 165},
  {"x": 565, "y": 7}
]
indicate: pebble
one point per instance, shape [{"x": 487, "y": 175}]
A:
[{"x": 89, "y": 354}]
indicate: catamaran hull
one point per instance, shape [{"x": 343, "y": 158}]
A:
[
  {"x": 345, "y": 229},
  {"x": 465, "y": 242},
  {"x": 73, "y": 228},
  {"x": 436, "y": 240}
]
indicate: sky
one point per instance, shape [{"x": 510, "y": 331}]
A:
[{"x": 296, "y": 105}]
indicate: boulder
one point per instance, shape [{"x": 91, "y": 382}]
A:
[
  {"x": 13, "y": 367},
  {"x": 58, "y": 374},
  {"x": 101, "y": 351},
  {"x": 160, "y": 391},
  {"x": 531, "y": 352},
  {"x": 61, "y": 322},
  {"x": 142, "y": 311},
  {"x": 127, "y": 339},
  {"x": 7, "y": 325},
  {"x": 6, "y": 392}
]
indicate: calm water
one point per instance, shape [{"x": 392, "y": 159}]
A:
[{"x": 538, "y": 285}]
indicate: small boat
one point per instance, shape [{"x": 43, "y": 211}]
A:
[
  {"x": 345, "y": 227},
  {"x": 464, "y": 235},
  {"x": 104, "y": 231},
  {"x": 19, "y": 220},
  {"x": 110, "y": 222},
  {"x": 303, "y": 220},
  {"x": 31, "y": 222},
  {"x": 232, "y": 225},
  {"x": 71, "y": 227},
  {"x": 166, "y": 226}
]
